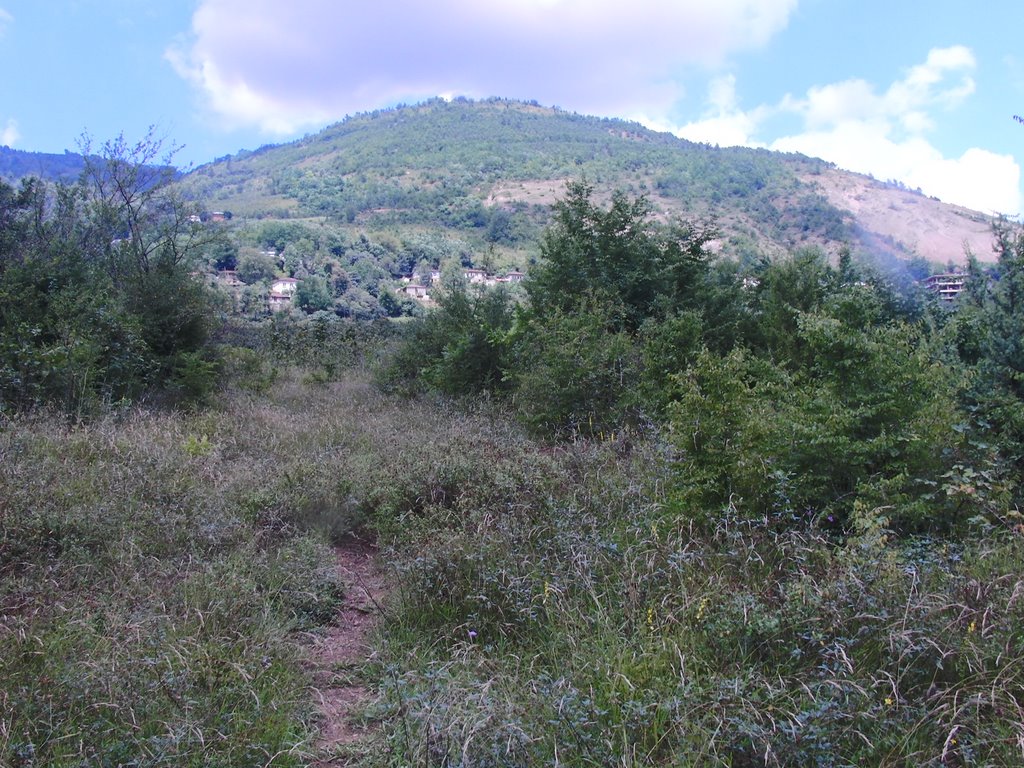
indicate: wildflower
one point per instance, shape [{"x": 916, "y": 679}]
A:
[
  {"x": 472, "y": 634},
  {"x": 701, "y": 608},
  {"x": 650, "y": 619},
  {"x": 888, "y": 701},
  {"x": 971, "y": 627}
]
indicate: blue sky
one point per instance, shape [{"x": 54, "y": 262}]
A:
[{"x": 922, "y": 92}]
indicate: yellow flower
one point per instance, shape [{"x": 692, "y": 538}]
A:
[
  {"x": 701, "y": 608},
  {"x": 650, "y": 618},
  {"x": 971, "y": 627},
  {"x": 888, "y": 701}
]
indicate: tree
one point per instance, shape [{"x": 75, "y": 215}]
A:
[
  {"x": 459, "y": 348},
  {"x": 223, "y": 253},
  {"x": 96, "y": 297},
  {"x": 141, "y": 221},
  {"x": 997, "y": 398},
  {"x": 255, "y": 266},
  {"x": 573, "y": 375},
  {"x": 313, "y": 295},
  {"x": 863, "y": 414},
  {"x": 151, "y": 239},
  {"x": 1004, "y": 345},
  {"x": 651, "y": 270}
]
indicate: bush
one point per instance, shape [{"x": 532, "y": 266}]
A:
[{"x": 575, "y": 375}]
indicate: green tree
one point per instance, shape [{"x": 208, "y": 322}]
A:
[
  {"x": 255, "y": 266},
  {"x": 98, "y": 300},
  {"x": 459, "y": 348},
  {"x": 997, "y": 397},
  {"x": 313, "y": 295},
  {"x": 864, "y": 412},
  {"x": 574, "y": 373},
  {"x": 652, "y": 271}
]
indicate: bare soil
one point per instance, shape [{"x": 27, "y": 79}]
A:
[
  {"x": 338, "y": 655},
  {"x": 938, "y": 231}
]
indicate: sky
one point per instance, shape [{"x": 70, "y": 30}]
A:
[{"x": 919, "y": 92}]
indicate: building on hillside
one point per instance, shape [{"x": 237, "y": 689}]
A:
[
  {"x": 286, "y": 285},
  {"x": 474, "y": 275},
  {"x": 416, "y": 291},
  {"x": 946, "y": 286},
  {"x": 278, "y": 302},
  {"x": 514, "y": 276},
  {"x": 282, "y": 293}
]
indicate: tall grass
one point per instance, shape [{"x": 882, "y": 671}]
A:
[
  {"x": 547, "y": 607},
  {"x": 154, "y": 569},
  {"x": 557, "y": 613}
]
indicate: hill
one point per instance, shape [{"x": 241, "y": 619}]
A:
[
  {"x": 16, "y": 164},
  {"x": 487, "y": 172}
]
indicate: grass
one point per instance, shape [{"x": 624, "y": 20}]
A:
[
  {"x": 158, "y": 572},
  {"x": 557, "y": 613}
]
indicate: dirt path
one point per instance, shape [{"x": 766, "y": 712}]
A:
[{"x": 338, "y": 655}]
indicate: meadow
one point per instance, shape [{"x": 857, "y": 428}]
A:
[{"x": 162, "y": 573}]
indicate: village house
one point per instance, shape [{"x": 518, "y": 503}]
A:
[
  {"x": 282, "y": 293},
  {"x": 474, "y": 275},
  {"x": 416, "y": 291},
  {"x": 947, "y": 285},
  {"x": 286, "y": 285},
  {"x": 278, "y": 302}
]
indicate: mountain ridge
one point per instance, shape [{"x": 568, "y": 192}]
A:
[
  {"x": 456, "y": 165},
  {"x": 489, "y": 170}
]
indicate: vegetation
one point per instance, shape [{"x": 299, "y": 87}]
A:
[
  {"x": 468, "y": 169},
  {"x": 660, "y": 507},
  {"x": 97, "y": 303},
  {"x": 799, "y": 546}
]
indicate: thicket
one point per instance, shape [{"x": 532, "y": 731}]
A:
[
  {"x": 97, "y": 301},
  {"x": 795, "y": 389}
]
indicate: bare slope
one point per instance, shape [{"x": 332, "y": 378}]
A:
[{"x": 912, "y": 222}]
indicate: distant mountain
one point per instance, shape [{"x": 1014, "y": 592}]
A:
[{"x": 16, "y": 164}]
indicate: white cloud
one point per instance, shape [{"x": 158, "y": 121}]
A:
[
  {"x": 284, "y": 66},
  {"x": 724, "y": 123},
  {"x": 10, "y": 135},
  {"x": 5, "y": 21},
  {"x": 883, "y": 134}
]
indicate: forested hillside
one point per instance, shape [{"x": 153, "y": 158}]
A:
[
  {"x": 16, "y": 165},
  {"x": 488, "y": 172}
]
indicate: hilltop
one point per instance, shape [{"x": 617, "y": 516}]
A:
[{"x": 487, "y": 172}]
